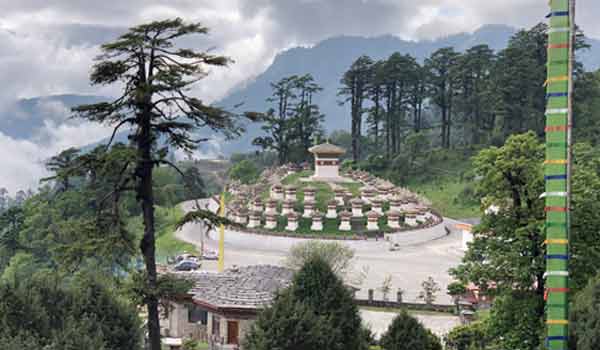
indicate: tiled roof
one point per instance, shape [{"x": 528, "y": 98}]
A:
[
  {"x": 249, "y": 287},
  {"x": 327, "y": 148}
]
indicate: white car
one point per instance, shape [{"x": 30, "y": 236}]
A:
[
  {"x": 394, "y": 247},
  {"x": 210, "y": 255},
  {"x": 186, "y": 256}
]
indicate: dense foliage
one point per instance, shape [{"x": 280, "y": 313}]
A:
[
  {"x": 407, "y": 333},
  {"x": 337, "y": 256},
  {"x": 316, "y": 312},
  {"x": 473, "y": 97},
  {"x": 467, "y": 337},
  {"x": 506, "y": 259},
  {"x": 41, "y": 312},
  {"x": 585, "y": 318},
  {"x": 294, "y": 122},
  {"x": 245, "y": 171}
]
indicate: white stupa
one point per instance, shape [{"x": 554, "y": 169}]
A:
[{"x": 327, "y": 162}]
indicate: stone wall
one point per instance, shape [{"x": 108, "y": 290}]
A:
[{"x": 178, "y": 325}]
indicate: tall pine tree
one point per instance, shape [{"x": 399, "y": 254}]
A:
[{"x": 156, "y": 76}]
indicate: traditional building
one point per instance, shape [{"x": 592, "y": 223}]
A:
[
  {"x": 327, "y": 163},
  {"x": 221, "y": 307}
]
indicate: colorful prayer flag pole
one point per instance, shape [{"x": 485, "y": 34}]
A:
[{"x": 559, "y": 84}]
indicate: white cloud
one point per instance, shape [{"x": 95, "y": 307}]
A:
[
  {"x": 21, "y": 163},
  {"x": 23, "y": 160}
]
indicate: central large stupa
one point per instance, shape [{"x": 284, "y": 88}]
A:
[{"x": 327, "y": 162}]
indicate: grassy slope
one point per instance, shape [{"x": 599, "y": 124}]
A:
[
  {"x": 322, "y": 196},
  {"x": 444, "y": 185},
  {"x": 444, "y": 195},
  {"x": 166, "y": 242}
]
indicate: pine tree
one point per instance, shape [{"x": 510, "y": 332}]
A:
[
  {"x": 355, "y": 87},
  {"x": 156, "y": 76},
  {"x": 474, "y": 92},
  {"x": 441, "y": 73},
  {"x": 316, "y": 312},
  {"x": 295, "y": 120},
  {"x": 407, "y": 333}
]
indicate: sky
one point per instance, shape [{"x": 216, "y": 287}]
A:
[{"x": 48, "y": 46}]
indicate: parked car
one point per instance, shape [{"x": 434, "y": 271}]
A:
[
  {"x": 394, "y": 247},
  {"x": 210, "y": 255},
  {"x": 186, "y": 256},
  {"x": 186, "y": 265}
]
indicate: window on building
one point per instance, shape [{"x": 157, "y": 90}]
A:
[
  {"x": 216, "y": 326},
  {"x": 196, "y": 314}
]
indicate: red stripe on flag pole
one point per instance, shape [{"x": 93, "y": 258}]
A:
[
  {"x": 558, "y": 46},
  {"x": 559, "y": 209},
  {"x": 556, "y": 128}
]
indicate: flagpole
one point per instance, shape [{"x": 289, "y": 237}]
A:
[{"x": 557, "y": 170}]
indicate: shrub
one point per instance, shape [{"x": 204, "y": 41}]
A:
[{"x": 407, "y": 333}]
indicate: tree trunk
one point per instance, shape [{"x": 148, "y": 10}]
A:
[
  {"x": 353, "y": 112},
  {"x": 449, "y": 123},
  {"x": 376, "y": 120},
  {"x": 145, "y": 195},
  {"x": 388, "y": 126},
  {"x": 444, "y": 124}
]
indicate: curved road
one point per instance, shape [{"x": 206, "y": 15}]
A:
[{"x": 408, "y": 266}]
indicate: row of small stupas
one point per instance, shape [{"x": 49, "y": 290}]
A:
[{"x": 404, "y": 205}]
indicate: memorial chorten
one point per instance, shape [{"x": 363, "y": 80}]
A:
[{"x": 327, "y": 162}]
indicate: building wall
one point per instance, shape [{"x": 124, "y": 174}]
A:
[
  {"x": 327, "y": 167},
  {"x": 179, "y": 326},
  {"x": 467, "y": 237},
  {"x": 243, "y": 327}
]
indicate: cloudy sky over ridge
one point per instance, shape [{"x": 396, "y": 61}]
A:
[{"x": 47, "y": 46}]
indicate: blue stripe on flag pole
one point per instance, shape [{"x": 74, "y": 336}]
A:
[
  {"x": 555, "y": 177},
  {"x": 557, "y": 257},
  {"x": 557, "y": 337},
  {"x": 557, "y": 94},
  {"x": 557, "y": 14}
]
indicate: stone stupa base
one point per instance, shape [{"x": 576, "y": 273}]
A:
[{"x": 338, "y": 179}]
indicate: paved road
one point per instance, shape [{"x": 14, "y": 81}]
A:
[
  {"x": 379, "y": 322},
  {"x": 408, "y": 267}
]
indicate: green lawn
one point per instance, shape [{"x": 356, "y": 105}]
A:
[
  {"x": 199, "y": 346},
  {"x": 323, "y": 195},
  {"x": 446, "y": 197},
  {"x": 166, "y": 242},
  {"x": 353, "y": 187}
]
